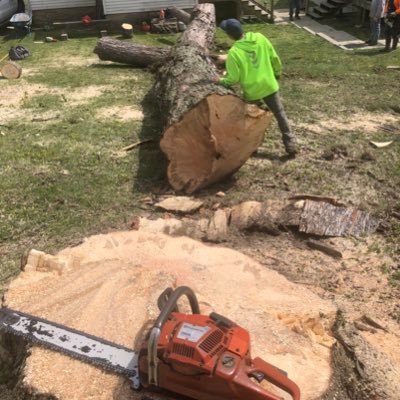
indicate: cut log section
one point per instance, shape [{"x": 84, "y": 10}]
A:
[
  {"x": 210, "y": 133},
  {"x": 180, "y": 15},
  {"x": 137, "y": 55},
  {"x": 11, "y": 70},
  {"x": 108, "y": 286},
  {"x": 127, "y": 30}
]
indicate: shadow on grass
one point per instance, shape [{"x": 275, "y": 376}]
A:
[
  {"x": 166, "y": 41},
  {"x": 152, "y": 165},
  {"x": 112, "y": 66},
  {"x": 371, "y": 53}
]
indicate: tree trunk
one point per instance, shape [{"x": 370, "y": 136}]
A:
[
  {"x": 180, "y": 15},
  {"x": 210, "y": 132},
  {"x": 129, "y": 53},
  {"x": 99, "y": 287}
]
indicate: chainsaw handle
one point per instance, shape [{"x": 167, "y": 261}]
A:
[
  {"x": 170, "y": 305},
  {"x": 262, "y": 370},
  {"x": 168, "y": 302}
]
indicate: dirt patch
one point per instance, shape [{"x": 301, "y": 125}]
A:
[
  {"x": 83, "y": 95},
  {"x": 367, "y": 122},
  {"x": 11, "y": 101},
  {"x": 122, "y": 113}
]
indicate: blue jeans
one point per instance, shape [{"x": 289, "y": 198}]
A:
[
  {"x": 294, "y": 5},
  {"x": 375, "y": 29}
]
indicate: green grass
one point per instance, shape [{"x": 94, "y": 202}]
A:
[{"x": 60, "y": 180}]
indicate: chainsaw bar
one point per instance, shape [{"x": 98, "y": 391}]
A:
[{"x": 82, "y": 346}]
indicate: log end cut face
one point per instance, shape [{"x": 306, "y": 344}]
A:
[
  {"x": 109, "y": 285},
  {"x": 212, "y": 141}
]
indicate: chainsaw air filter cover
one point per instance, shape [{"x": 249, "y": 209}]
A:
[{"x": 193, "y": 344}]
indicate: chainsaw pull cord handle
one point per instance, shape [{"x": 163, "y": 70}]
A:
[{"x": 168, "y": 300}]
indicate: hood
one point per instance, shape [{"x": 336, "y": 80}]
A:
[{"x": 248, "y": 42}]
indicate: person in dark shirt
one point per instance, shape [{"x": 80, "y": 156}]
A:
[{"x": 392, "y": 24}]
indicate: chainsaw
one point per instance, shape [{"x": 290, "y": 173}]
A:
[{"x": 197, "y": 356}]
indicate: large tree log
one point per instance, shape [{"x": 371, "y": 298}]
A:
[
  {"x": 108, "y": 286},
  {"x": 210, "y": 132},
  {"x": 138, "y": 55}
]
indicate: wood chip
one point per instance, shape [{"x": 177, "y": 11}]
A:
[
  {"x": 221, "y": 194},
  {"x": 180, "y": 204},
  {"x": 393, "y": 67},
  {"x": 379, "y": 145}
]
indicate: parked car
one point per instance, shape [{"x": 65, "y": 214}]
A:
[{"x": 7, "y": 9}]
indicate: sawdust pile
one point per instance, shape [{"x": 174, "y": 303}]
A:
[{"x": 108, "y": 287}]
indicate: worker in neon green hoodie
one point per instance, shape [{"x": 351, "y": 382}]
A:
[{"x": 253, "y": 63}]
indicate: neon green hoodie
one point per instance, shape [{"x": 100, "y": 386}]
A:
[{"x": 253, "y": 62}]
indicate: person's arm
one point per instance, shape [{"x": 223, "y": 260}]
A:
[
  {"x": 232, "y": 72},
  {"x": 275, "y": 61}
]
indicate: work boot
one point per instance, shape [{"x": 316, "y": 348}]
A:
[
  {"x": 395, "y": 43},
  {"x": 387, "y": 44},
  {"x": 289, "y": 142},
  {"x": 298, "y": 16},
  {"x": 291, "y": 17}
]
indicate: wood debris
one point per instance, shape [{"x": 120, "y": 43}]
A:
[
  {"x": 329, "y": 250},
  {"x": 380, "y": 145},
  {"x": 133, "y": 145},
  {"x": 332, "y": 200},
  {"x": 373, "y": 322},
  {"x": 324, "y": 219},
  {"x": 181, "y": 204}
]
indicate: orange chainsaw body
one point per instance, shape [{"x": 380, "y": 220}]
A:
[{"x": 208, "y": 358}]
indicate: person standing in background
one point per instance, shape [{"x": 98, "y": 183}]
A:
[
  {"x": 294, "y": 7},
  {"x": 392, "y": 24},
  {"x": 375, "y": 15}
]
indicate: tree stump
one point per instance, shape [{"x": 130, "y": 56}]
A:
[
  {"x": 127, "y": 30},
  {"x": 137, "y": 55},
  {"x": 11, "y": 70},
  {"x": 210, "y": 132},
  {"x": 108, "y": 286}
]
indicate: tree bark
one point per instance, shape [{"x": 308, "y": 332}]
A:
[
  {"x": 210, "y": 132},
  {"x": 133, "y": 54}
]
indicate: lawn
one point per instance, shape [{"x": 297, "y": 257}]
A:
[{"x": 63, "y": 123}]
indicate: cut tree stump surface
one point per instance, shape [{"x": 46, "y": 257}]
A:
[{"x": 108, "y": 286}]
